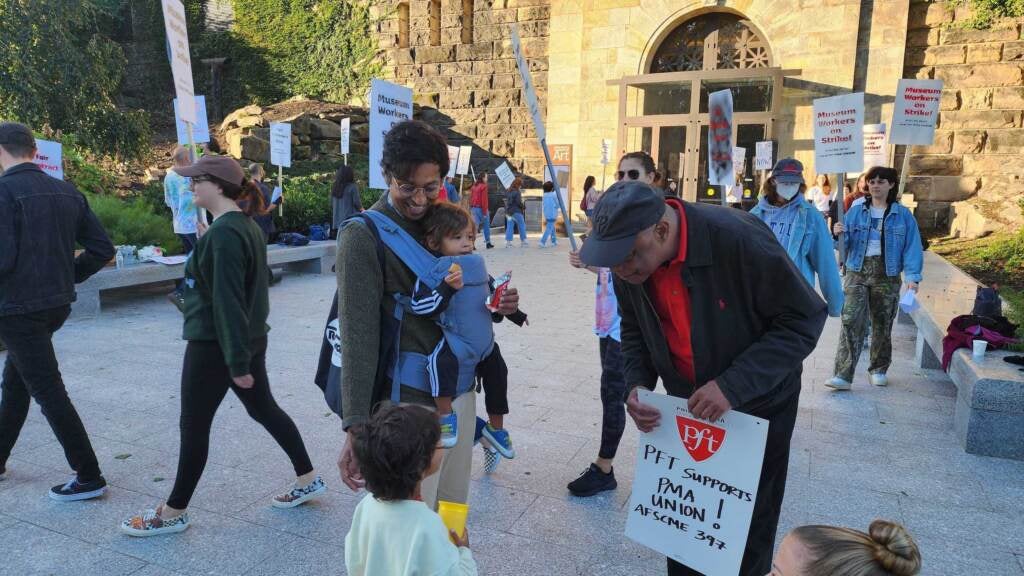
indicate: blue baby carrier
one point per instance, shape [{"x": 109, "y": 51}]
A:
[{"x": 466, "y": 324}]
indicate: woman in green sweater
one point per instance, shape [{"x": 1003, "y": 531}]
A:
[{"x": 226, "y": 307}]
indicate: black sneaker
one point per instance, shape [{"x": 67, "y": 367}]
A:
[
  {"x": 75, "y": 490},
  {"x": 178, "y": 300},
  {"x": 489, "y": 245},
  {"x": 593, "y": 481}
]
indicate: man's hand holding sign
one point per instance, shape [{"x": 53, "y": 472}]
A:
[{"x": 707, "y": 403}]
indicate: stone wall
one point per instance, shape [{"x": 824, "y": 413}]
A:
[
  {"x": 971, "y": 177},
  {"x": 472, "y": 90}
]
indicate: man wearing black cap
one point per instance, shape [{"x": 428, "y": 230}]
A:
[
  {"x": 41, "y": 220},
  {"x": 713, "y": 305}
]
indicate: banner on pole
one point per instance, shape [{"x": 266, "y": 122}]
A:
[
  {"x": 50, "y": 158},
  {"x": 346, "y": 134},
  {"x": 389, "y": 105},
  {"x": 763, "y": 160},
  {"x": 839, "y": 134},
  {"x": 453, "y": 161},
  {"x": 915, "y": 112},
  {"x": 505, "y": 174},
  {"x": 201, "y": 127},
  {"x": 281, "y": 144},
  {"x": 876, "y": 152},
  {"x": 720, "y": 168},
  {"x": 176, "y": 27},
  {"x": 606, "y": 152},
  {"x": 464, "y": 153},
  {"x": 695, "y": 485},
  {"x": 528, "y": 86}
]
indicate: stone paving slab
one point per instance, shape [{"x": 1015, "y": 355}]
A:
[{"x": 875, "y": 452}]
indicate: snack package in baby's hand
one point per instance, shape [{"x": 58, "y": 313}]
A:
[{"x": 500, "y": 285}]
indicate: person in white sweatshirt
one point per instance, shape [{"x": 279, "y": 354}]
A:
[{"x": 393, "y": 532}]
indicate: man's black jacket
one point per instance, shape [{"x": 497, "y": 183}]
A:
[
  {"x": 753, "y": 316},
  {"x": 41, "y": 219}
]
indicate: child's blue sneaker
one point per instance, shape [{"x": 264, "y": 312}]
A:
[
  {"x": 500, "y": 440},
  {"x": 449, "y": 430},
  {"x": 480, "y": 425}
]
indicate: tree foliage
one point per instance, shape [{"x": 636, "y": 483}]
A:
[
  {"x": 60, "y": 66},
  {"x": 985, "y": 12}
]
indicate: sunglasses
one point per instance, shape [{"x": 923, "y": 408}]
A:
[{"x": 633, "y": 174}]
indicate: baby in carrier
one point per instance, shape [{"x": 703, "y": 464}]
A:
[{"x": 450, "y": 231}]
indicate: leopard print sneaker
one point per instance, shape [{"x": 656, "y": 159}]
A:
[
  {"x": 297, "y": 496},
  {"x": 150, "y": 523}
]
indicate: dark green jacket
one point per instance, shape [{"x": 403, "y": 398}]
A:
[{"x": 226, "y": 285}]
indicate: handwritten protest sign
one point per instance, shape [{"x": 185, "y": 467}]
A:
[
  {"x": 528, "y": 86},
  {"x": 505, "y": 174},
  {"x": 876, "y": 152},
  {"x": 720, "y": 169},
  {"x": 763, "y": 155},
  {"x": 695, "y": 486},
  {"x": 606, "y": 152},
  {"x": 464, "y": 153},
  {"x": 346, "y": 134},
  {"x": 50, "y": 158},
  {"x": 201, "y": 128},
  {"x": 915, "y": 112},
  {"x": 389, "y": 105},
  {"x": 281, "y": 144},
  {"x": 839, "y": 134},
  {"x": 453, "y": 160},
  {"x": 175, "y": 25}
]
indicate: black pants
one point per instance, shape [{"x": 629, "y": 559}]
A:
[
  {"x": 757, "y": 558},
  {"x": 205, "y": 380},
  {"x": 31, "y": 371},
  {"x": 188, "y": 243},
  {"x": 613, "y": 397},
  {"x": 493, "y": 375}
]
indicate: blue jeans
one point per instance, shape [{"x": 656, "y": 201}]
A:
[
  {"x": 549, "y": 232},
  {"x": 484, "y": 219},
  {"x": 520, "y": 223}
]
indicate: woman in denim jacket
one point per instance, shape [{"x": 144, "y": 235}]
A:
[
  {"x": 801, "y": 231},
  {"x": 882, "y": 242}
]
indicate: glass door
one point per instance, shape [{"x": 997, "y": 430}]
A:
[
  {"x": 671, "y": 155},
  {"x": 747, "y": 136}
]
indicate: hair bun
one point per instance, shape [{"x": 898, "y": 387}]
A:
[{"x": 896, "y": 550}]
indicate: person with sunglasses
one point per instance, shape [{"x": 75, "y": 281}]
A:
[
  {"x": 226, "y": 309},
  {"x": 415, "y": 157},
  {"x": 636, "y": 166}
]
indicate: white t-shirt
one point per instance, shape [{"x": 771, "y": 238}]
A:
[
  {"x": 819, "y": 198},
  {"x": 403, "y": 538},
  {"x": 875, "y": 233}
]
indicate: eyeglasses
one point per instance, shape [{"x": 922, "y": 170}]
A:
[
  {"x": 408, "y": 190},
  {"x": 201, "y": 178},
  {"x": 633, "y": 174}
]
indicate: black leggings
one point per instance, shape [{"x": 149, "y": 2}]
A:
[
  {"x": 613, "y": 397},
  {"x": 492, "y": 373},
  {"x": 204, "y": 383}
]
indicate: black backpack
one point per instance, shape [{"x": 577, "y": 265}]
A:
[{"x": 987, "y": 302}]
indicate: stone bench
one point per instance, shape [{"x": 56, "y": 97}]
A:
[
  {"x": 989, "y": 413},
  {"x": 314, "y": 258}
]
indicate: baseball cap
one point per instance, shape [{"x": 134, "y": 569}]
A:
[
  {"x": 625, "y": 210},
  {"x": 16, "y": 133},
  {"x": 225, "y": 168},
  {"x": 788, "y": 171}
]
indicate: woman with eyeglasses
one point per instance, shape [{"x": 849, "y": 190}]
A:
[
  {"x": 514, "y": 209},
  {"x": 226, "y": 308}
]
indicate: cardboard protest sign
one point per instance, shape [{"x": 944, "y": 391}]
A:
[
  {"x": 389, "y": 105},
  {"x": 505, "y": 174},
  {"x": 720, "y": 169},
  {"x": 763, "y": 156},
  {"x": 739, "y": 160},
  {"x": 695, "y": 486},
  {"x": 528, "y": 86},
  {"x": 876, "y": 152},
  {"x": 453, "y": 160},
  {"x": 50, "y": 158},
  {"x": 839, "y": 134},
  {"x": 915, "y": 112},
  {"x": 176, "y": 27},
  {"x": 201, "y": 128},
  {"x": 346, "y": 134},
  {"x": 464, "y": 153},
  {"x": 281, "y": 144}
]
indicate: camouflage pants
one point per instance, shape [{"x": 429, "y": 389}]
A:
[{"x": 868, "y": 294}]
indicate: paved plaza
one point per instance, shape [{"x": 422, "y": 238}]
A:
[{"x": 874, "y": 452}]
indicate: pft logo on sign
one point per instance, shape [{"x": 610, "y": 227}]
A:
[{"x": 700, "y": 439}]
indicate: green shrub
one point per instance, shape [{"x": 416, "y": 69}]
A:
[
  {"x": 306, "y": 201},
  {"x": 133, "y": 222},
  {"x": 985, "y": 12}
]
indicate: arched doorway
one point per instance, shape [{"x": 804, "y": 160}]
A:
[{"x": 664, "y": 111}]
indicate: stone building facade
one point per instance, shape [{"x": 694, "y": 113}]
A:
[{"x": 637, "y": 71}]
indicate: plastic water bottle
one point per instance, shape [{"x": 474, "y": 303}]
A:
[{"x": 120, "y": 259}]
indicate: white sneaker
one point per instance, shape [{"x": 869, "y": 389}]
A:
[
  {"x": 837, "y": 383},
  {"x": 508, "y": 244},
  {"x": 524, "y": 244},
  {"x": 879, "y": 379}
]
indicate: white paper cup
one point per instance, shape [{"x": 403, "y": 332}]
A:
[{"x": 979, "y": 348}]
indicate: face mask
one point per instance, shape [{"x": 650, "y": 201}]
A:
[{"x": 787, "y": 191}]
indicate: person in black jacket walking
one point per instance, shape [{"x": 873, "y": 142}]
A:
[
  {"x": 714, "y": 306},
  {"x": 41, "y": 221}
]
